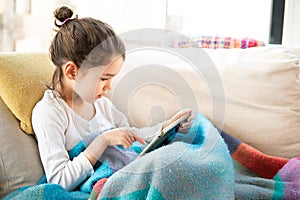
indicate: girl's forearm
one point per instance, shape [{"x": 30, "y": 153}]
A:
[{"x": 94, "y": 151}]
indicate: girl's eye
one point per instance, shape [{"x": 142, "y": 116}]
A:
[{"x": 103, "y": 79}]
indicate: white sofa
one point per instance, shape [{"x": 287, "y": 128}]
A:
[{"x": 259, "y": 102}]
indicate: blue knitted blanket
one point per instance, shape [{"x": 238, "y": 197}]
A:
[{"x": 196, "y": 165}]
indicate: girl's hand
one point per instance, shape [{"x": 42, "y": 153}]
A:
[
  {"x": 121, "y": 136},
  {"x": 185, "y": 126}
]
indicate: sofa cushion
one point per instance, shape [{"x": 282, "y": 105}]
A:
[
  {"x": 20, "y": 164},
  {"x": 22, "y": 82},
  {"x": 261, "y": 87},
  {"x": 262, "y": 97}
]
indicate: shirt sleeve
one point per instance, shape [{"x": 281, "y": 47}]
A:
[
  {"x": 146, "y": 133},
  {"x": 50, "y": 124}
]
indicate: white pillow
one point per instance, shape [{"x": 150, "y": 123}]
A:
[
  {"x": 261, "y": 105},
  {"x": 262, "y": 97}
]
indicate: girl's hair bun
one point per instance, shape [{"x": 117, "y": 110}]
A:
[{"x": 62, "y": 15}]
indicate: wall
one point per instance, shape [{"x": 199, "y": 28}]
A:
[
  {"x": 125, "y": 15},
  {"x": 234, "y": 18},
  {"x": 32, "y": 30},
  {"x": 291, "y": 24}
]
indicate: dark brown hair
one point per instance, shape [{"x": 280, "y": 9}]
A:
[{"x": 87, "y": 42}]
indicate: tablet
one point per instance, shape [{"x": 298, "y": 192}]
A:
[{"x": 164, "y": 136}]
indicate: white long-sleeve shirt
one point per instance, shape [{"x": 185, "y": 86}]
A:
[{"x": 58, "y": 129}]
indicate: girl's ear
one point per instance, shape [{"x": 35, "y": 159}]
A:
[{"x": 70, "y": 70}]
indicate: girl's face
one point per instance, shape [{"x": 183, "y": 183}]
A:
[{"x": 93, "y": 83}]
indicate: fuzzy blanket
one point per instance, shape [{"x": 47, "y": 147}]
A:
[
  {"x": 259, "y": 176},
  {"x": 197, "y": 165}
]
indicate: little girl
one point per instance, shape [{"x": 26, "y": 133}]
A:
[{"x": 87, "y": 54}]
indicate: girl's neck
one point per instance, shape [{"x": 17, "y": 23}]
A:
[
  {"x": 68, "y": 96},
  {"x": 75, "y": 102},
  {"x": 84, "y": 109}
]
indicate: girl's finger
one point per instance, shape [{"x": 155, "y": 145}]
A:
[
  {"x": 186, "y": 111},
  {"x": 186, "y": 128},
  {"x": 191, "y": 117},
  {"x": 125, "y": 143},
  {"x": 183, "y": 130},
  {"x": 130, "y": 137},
  {"x": 185, "y": 124},
  {"x": 128, "y": 133},
  {"x": 137, "y": 138}
]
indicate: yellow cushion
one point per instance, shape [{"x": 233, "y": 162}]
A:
[{"x": 23, "y": 79}]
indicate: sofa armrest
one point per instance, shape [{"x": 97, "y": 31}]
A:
[{"x": 20, "y": 164}]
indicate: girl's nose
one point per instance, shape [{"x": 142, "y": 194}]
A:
[{"x": 108, "y": 86}]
